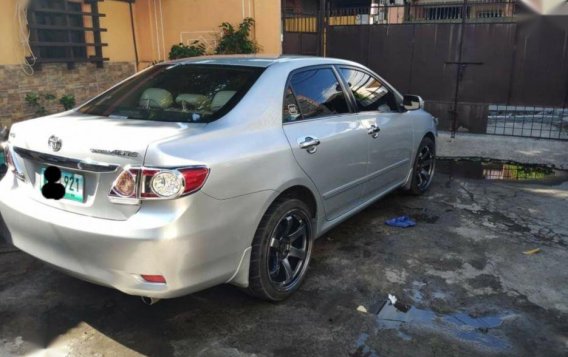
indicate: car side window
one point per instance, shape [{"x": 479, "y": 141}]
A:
[
  {"x": 370, "y": 94},
  {"x": 291, "y": 112},
  {"x": 317, "y": 94}
]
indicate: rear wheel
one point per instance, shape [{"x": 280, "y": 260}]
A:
[
  {"x": 281, "y": 250},
  {"x": 424, "y": 167}
]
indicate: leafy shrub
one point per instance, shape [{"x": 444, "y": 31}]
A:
[
  {"x": 67, "y": 101},
  {"x": 237, "y": 41},
  {"x": 39, "y": 102},
  {"x": 182, "y": 51}
]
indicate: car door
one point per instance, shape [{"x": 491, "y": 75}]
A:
[
  {"x": 390, "y": 149},
  {"x": 328, "y": 140}
]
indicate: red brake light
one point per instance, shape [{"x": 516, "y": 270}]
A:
[
  {"x": 146, "y": 178},
  {"x": 194, "y": 178}
]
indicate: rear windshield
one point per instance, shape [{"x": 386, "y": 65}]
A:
[{"x": 188, "y": 93}]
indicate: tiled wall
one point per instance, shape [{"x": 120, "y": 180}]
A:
[{"x": 84, "y": 82}]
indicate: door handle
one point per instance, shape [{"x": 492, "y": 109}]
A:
[
  {"x": 309, "y": 143},
  {"x": 374, "y": 131}
]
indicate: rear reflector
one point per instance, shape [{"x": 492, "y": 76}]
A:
[{"x": 154, "y": 279}]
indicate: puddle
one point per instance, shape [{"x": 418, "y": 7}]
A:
[
  {"x": 488, "y": 169},
  {"x": 362, "y": 349},
  {"x": 461, "y": 326}
]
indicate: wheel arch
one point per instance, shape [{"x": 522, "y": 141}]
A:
[
  {"x": 427, "y": 134},
  {"x": 304, "y": 194},
  {"x": 294, "y": 189},
  {"x": 430, "y": 135}
]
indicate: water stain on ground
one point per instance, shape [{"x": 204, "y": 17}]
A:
[
  {"x": 459, "y": 325},
  {"x": 500, "y": 170}
]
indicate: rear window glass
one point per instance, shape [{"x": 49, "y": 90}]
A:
[{"x": 177, "y": 93}]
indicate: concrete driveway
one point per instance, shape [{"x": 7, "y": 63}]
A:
[{"x": 464, "y": 287}]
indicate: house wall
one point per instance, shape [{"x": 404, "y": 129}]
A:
[
  {"x": 160, "y": 24},
  {"x": 10, "y": 51},
  {"x": 84, "y": 81}
]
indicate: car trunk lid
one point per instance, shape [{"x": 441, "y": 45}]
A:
[{"x": 92, "y": 147}]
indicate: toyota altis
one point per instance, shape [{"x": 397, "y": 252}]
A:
[{"x": 212, "y": 170}]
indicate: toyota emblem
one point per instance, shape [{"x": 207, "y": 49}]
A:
[{"x": 54, "y": 143}]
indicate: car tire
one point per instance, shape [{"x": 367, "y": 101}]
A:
[
  {"x": 281, "y": 250},
  {"x": 424, "y": 167}
]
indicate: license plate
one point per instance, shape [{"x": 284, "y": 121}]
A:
[{"x": 73, "y": 184}]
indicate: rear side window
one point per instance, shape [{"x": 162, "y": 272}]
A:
[
  {"x": 317, "y": 94},
  {"x": 370, "y": 94},
  {"x": 291, "y": 110},
  {"x": 177, "y": 93}
]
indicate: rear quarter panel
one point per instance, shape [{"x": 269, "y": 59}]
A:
[{"x": 246, "y": 151}]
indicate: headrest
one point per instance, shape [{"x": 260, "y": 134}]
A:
[
  {"x": 191, "y": 99},
  {"x": 156, "y": 98},
  {"x": 221, "y": 98}
]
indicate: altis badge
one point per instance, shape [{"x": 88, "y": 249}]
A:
[{"x": 122, "y": 153}]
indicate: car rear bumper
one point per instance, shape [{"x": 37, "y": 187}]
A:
[{"x": 185, "y": 240}]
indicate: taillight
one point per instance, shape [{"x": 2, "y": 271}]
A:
[
  {"x": 8, "y": 158},
  {"x": 125, "y": 184},
  {"x": 153, "y": 183},
  {"x": 194, "y": 178},
  {"x": 11, "y": 164}
]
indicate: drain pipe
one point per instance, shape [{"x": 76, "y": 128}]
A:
[
  {"x": 149, "y": 300},
  {"x": 134, "y": 36}
]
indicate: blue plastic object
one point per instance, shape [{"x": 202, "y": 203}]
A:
[{"x": 402, "y": 222}]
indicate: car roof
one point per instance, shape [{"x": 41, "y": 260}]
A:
[{"x": 260, "y": 61}]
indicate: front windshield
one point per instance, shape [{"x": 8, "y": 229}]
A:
[{"x": 193, "y": 93}]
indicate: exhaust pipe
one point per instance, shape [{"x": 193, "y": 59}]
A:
[{"x": 149, "y": 301}]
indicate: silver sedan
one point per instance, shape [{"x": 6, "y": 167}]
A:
[{"x": 211, "y": 170}]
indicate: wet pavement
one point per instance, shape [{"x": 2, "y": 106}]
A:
[
  {"x": 462, "y": 283},
  {"x": 502, "y": 170}
]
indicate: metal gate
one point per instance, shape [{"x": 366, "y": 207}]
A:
[
  {"x": 482, "y": 67},
  {"x": 302, "y": 30}
]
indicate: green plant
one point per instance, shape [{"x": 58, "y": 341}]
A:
[
  {"x": 182, "y": 51},
  {"x": 67, "y": 101},
  {"x": 39, "y": 101},
  {"x": 237, "y": 41}
]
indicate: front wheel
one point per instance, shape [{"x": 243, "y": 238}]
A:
[
  {"x": 424, "y": 167},
  {"x": 281, "y": 250}
]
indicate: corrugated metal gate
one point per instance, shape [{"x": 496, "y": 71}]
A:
[{"x": 504, "y": 76}]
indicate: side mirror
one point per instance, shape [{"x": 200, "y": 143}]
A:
[{"x": 412, "y": 102}]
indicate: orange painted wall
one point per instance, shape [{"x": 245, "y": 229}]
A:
[
  {"x": 159, "y": 27},
  {"x": 163, "y": 23},
  {"x": 118, "y": 36},
  {"x": 119, "y": 31},
  {"x": 11, "y": 52}
]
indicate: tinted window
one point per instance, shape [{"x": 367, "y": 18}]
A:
[
  {"x": 318, "y": 93},
  {"x": 291, "y": 112},
  {"x": 177, "y": 93},
  {"x": 370, "y": 94}
]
